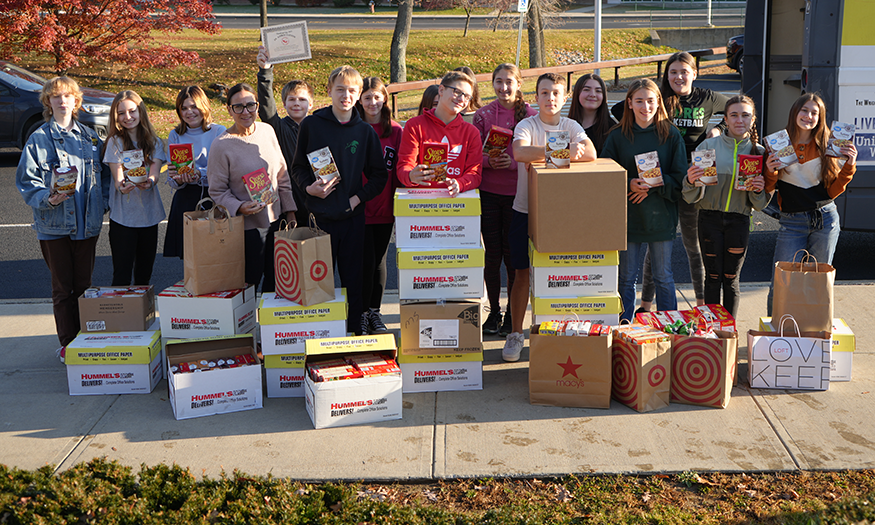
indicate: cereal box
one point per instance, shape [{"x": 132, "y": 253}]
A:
[
  {"x": 64, "y": 180},
  {"x": 497, "y": 141},
  {"x": 749, "y": 166},
  {"x": 435, "y": 155},
  {"x": 259, "y": 186},
  {"x": 707, "y": 160},
  {"x": 779, "y": 144},
  {"x": 648, "y": 168},
  {"x": 182, "y": 158},
  {"x": 841, "y": 135},
  {"x": 557, "y": 152},
  {"x": 134, "y": 168},
  {"x": 322, "y": 162}
]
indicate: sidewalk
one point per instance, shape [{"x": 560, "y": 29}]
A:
[{"x": 494, "y": 432}]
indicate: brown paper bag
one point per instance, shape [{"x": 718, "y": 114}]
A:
[
  {"x": 804, "y": 290},
  {"x": 303, "y": 266},
  {"x": 569, "y": 371},
  {"x": 703, "y": 369},
  {"x": 213, "y": 244},
  {"x": 641, "y": 374}
]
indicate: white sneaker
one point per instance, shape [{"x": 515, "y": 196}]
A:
[
  {"x": 513, "y": 347},
  {"x": 61, "y": 353}
]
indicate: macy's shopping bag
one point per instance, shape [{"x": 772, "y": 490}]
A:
[
  {"x": 790, "y": 360},
  {"x": 641, "y": 370},
  {"x": 703, "y": 368},
  {"x": 804, "y": 290},
  {"x": 569, "y": 371},
  {"x": 303, "y": 266},
  {"x": 214, "y": 250}
]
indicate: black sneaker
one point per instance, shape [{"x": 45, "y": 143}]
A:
[
  {"x": 490, "y": 327},
  {"x": 506, "y": 325},
  {"x": 375, "y": 323},
  {"x": 365, "y": 327}
]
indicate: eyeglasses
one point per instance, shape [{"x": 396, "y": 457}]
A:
[
  {"x": 458, "y": 93},
  {"x": 239, "y": 108}
]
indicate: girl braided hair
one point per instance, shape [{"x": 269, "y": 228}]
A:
[{"x": 519, "y": 104}]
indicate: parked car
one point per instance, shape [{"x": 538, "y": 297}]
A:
[
  {"x": 735, "y": 53},
  {"x": 21, "y": 112}
]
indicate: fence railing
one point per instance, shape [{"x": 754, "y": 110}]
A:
[{"x": 568, "y": 70}]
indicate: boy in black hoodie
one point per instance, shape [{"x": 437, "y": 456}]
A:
[{"x": 339, "y": 204}]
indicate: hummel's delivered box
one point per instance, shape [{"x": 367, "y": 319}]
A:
[
  {"x": 569, "y": 371},
  {"x": 441, "y": 372},
  {"x": 184, "y": 315},
  {"x": 843, "y": 346},
  {"x": 579, "y": 209},
  {"x": 284, "y": 375},
  {"x": 426, "y": 218},
  {"x": 213, "y": 375},
  {"x": 286, "y": 326},
  {"x": 117, "y": 309},
  {"x": 115, "y": 362},
  {"x": 440, "y": 273},
  {"x": 353, "y": 401},
  {"x": 604, "y": 309},
  {"x": 573, "y": 274},
  {"x": 437, "y": 328}
]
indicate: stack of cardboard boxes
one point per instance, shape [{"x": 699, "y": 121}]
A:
[{"x": 440, "y": 287}]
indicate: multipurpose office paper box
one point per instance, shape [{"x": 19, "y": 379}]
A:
[
  {"x": 117, "y": 309},
  {"x": 573, "y": 274},
  {"x": 440, "y": 273},
  {"x": 843, "y": 346},
  {"x": 579, "y": 209},
  {"x": 286, "y": 325},
  {"x": 603, "y": 309},
  {"x": 218, "y": 391},
  {"x": 284, "y": 375},
  {"x": 438, "y": 328},
  {"x": 83, "y": 380},
  {"x": 427, "y": 218},
  {"x": 352, "y": 401},
  {"x": 426, "y": 376},
  {"x": 184, "y": 315}
]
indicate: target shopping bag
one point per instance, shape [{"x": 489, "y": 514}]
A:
[
  {"x": 641, "y": 367},
  {"x": 703, "y": 368},
  {"x": 303, "y": 266}
]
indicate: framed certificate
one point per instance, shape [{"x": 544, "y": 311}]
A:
[{"x": 286, "y": 42}]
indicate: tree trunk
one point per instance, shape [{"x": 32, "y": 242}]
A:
[
  {"x": 263, "y": 10},
  {"x": 537, "y": 56},
  {"x": 467, "y": 21},
  {"x": 398, "y": 51},
  {"x": 497, "y": 20}
]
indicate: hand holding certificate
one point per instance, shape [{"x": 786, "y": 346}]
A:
[{"x": 286, "y": 42}]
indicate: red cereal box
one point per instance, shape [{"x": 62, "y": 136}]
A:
[
  {"x": 182, "y": 158},
  {"x": 749, "y": 166},
  {"x": 497, "y": 141},
  {"x": 436, "y": 155},
  {"x": 259, "y": 186}
]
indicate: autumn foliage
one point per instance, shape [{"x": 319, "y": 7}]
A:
[{"x": 75, "y": 32}]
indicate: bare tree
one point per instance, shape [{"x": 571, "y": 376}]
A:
[
  {"x": 537, "y": 49},
  {"x": 263, "y": 13},
  {"x": 398, "y": 50}
]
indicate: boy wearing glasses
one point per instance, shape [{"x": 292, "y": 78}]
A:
[
  {"x": 443, "y": 124},
  {"x": 339, "y": 204}
]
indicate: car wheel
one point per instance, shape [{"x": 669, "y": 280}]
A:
[
  {"x": 33, "y": 127},
  {"x": 739, "y": 65}
]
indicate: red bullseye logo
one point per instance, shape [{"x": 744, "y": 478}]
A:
[
  {"x": 656, "y": 375},
  {"x": 624, "y": 364},
  {"x": 698, "y": 372},
  {"x": 318, "y": 270},
  {"x": 286, "y": 269}
]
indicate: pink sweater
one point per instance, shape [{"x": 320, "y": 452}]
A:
[{"x": 500, "y": 182}]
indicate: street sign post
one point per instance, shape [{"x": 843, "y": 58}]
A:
[{"x": 521, "y": 7}]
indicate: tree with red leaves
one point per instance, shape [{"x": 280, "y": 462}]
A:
[{"x": 74, "y": 32}]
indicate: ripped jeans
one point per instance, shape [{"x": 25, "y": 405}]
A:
[{"x": 723, "y": 238}]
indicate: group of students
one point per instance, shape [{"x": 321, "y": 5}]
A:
[{"x": 375, "y": 156}]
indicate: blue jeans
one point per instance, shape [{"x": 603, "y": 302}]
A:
[
  {"x": 816, "y": 231},
  {"x": 630, "y": 265}
]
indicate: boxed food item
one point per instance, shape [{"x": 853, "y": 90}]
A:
[
  {"x": 182, "y": 158},
  {"x": 436, "y": 155},
  {"x": 440, "y": 273},
  {"x": 843, "y": 346},
  {"x": 570, "y": 372},
  {"x": 429, "y": 218},
  {"x": 648, "y": 168},
  {"x": 497, "y": 141},
  {"x": 322, "y": 163},
  {"x": 573, "y": 274},
  {"x": 213, "y": 375},
  {"x": 749, "y": 166},
  {"x": 441, "y": 372},
  {"x": 260, "y": 187},
  {"x": 557, "y": 151},
  {"x": 841, "y": 135},
  {"x": 117, "y": 309},
  {"x": 286, "y": 326},
  {"x": 707, "y": 160},
  {"x": 580, "y": 209},
  {"x": 134, "y": 166},
  {"x": 284, "y": 375},
  {"x": 64, "y": 180},
  {"x": 438, "y": 328},
  {"x": 779, "y": 143},
  {"x": 115, "y": 362},
  {"x": 641, "y": 366},
  {"x": 714, "y": 314},
  {"x": 356, "y": 397},
  {"x": 221, "y": 313},
  {"x": 604, "y": 310}
]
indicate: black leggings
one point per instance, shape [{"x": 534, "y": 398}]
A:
[
  {"x": 377, "y": 237},
  {"x": 133, "y": 253},
  {"x": 723, "y": 237}
]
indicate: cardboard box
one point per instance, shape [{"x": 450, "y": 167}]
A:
[
  {"x": 184, "y": 315},
  {"x": 843, "y": 346},
  {"x": 284, "y": 375},
  {"x": 352, "y": 401},
  {"x": 569, "y": 371},
  {"x": 579, "y": 209},
  {"x": 425, "y": 376},
  {"x": 429, "y": 327},
  {"x": 573, "y": 274},
  {"x": 196, "y": 394},
  {"x": 117, "y": 378},
  {"x": 426, "y": 218},
  {"x": 440, "y": 273},
  {"x": 603, "y": 309},
  {"x": 285, "y": 325},
  {"x": 117, "y": 309}
]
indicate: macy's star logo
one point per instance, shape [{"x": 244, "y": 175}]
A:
[{"x": 569, "y": 368}]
